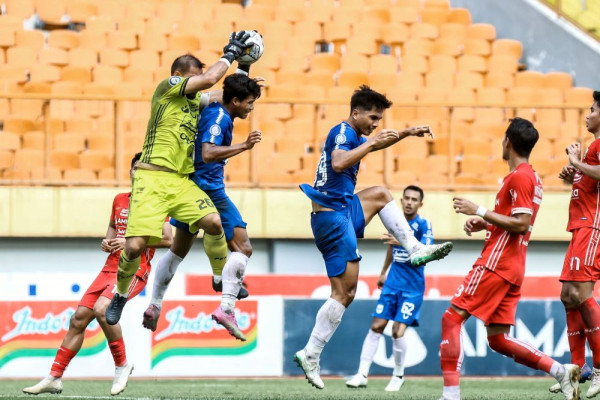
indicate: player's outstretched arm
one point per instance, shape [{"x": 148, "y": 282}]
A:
[
  {"x": 167, "y": 237},
  {"x": 232, "y": 51},
  {"x": 343, "y": 159},
  {"x": 213, "y": 153},
  {"x": 387, "y": 262},
  {"x": 574, "y": 153},
  {"x": 518, "y": 223}
]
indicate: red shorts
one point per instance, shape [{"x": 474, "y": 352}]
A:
[
  {"x": 105, "y": 285},
  {"x": 582, "y": 261},
  {"x": 488, "y": 296}
]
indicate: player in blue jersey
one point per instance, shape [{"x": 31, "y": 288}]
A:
[
  {"x": 213, "y": 148},
  {"x": 401, "y": 296},
  {"x": 339, "y": 215}
]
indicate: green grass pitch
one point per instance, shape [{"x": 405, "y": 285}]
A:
[{"x": 421, "y": 388}]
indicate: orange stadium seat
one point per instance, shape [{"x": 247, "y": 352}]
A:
[
  {"x": 53, "y": 56},
  {"x": 183, "y": 43},
  {"x": 490, "y": 96},
  {"x": 92, "y": 40},
  {"x": 151, "y": 40},
  {"x": 22, "y": 9},
  {"x": 64, "y": 39},
  {"x": 79, "y": 10},
  {"x": 352, "y": 79},
  {"x": 34, "y": 39},
  {"x": 559, "y": 80},
  {"x": 472, "y": 63},
  {"x": 414, "y": 64},
  {"x": 442, "y": 63},
  {"x": 460, "y": 16},
  {"x": 531, "y": 79},
  {"x": 70, "y": 142},
  {"x": 478, "y": 47},
  {"x": 28, "y": 159},
  {"x": 107, "y": 74},
  {"x": 482, "y": 31},
  {"x": 145, "y": 58},
  {"x": 9, "y": 141},
  {"x": 140, "y": 10},
  {"x": 100, "y": 24},
  {"x": 434, "y": 16},
  {"x": 340, "y": 93},
  {"x": 7, "y": 159},
  {"x": 79, "y": 175},
  {"x": 449, "y": 46},
  {"x": 325, "y": 62},
  {"x": 462, "y": 95},
  {"x": 21, "y": 56},
  {"x": 421, "y": 47},
  {"x": 424, "y": 31},
  {"x": 354, "y": 63},
  {"x": 453, "y": 30},
  {"x": 407, "y": 14},
  {"x": 508, "y": 47},
  {"x": 441, "y": 79},
  {"x": 81, "y": 57},
  {"x": 7, "y": 37},
  {"x": 44, "y": 73},
  {"x": 122, "y": 40},
  {"x": 504, "y": 80},
  {"x": 472, "y": 80},
  {"x": 111, "y": 8}
]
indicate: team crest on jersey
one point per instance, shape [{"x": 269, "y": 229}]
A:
[
  {"x": 215, "y": 130},
  {"x": 513, "y": 194},
  {"x": 379, "y": 309},
  {"x": 174, "y": 80},
  {"x": 340, "y": 138}
]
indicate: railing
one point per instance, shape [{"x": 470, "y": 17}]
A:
[
  {"x": 250, "y": 172},
  {"x": 558, "y": 6}
]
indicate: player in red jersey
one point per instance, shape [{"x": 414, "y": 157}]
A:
[
  {"x": 492, "y": 289},
  {"x": 95, "y": 300},
  {"x": 581, "y": 268}
]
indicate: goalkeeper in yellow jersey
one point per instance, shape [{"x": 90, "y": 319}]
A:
[{"x": 161, "y": 185}]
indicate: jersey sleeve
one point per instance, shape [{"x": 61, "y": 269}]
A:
[
  {"x": 172, "y": 87},
  {"x": 427, "y": 235},
  {"x": 215, "y": 128},
  {"x": 344, "y": 139},
  {"x": 592, "y": 156},
  {"x": 521, "y": 191}
]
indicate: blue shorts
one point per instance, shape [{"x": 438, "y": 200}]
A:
[
  {"x": 230, "y": 216},
  {"x": 335, "y": 235},
  {"x": 399, "y": 306}
]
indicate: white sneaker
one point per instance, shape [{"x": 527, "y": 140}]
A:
[
  {"x": 357, "y": 381},
  {"x": 121, "y": 377},
  {"x": 311, "y": 369},
  {"x": 594, "y": 388},
  {"x": 46, "y": 385},
  {"x": 429, "y": 253},
  {"x": 569, "y": 384},
  {"x": 395, "y": 384},
  {"x": 555, "y": 388}
]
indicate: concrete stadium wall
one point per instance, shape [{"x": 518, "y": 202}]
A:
[{"x": 550, "y": 43}]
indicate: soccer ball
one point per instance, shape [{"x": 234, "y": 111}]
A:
[{"x": 254, "y": 52}]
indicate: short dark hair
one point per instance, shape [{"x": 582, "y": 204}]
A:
[
  {"x": 240, "y": 86},
  {"x": 416, "y": 189},
  {"x": 366, "y": 98},
  {"x": 136, "y": 158},
  {"x": 522, "y": 135},
  {"x": 184, "y": 63},
  {"x": 596, "y": 96}
]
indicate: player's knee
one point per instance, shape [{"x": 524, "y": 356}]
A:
[
  {"x": 497, "y": 343},
  {"x": 377, "y": 328},
  {"x": 212, "y": 224},
  {"x": 570, "y": 296},
  {"x": 78, "y": 322},
  {"x": 246, "y": 249},
  {"x": 382, "y": 195},
  {"x": 100, "y": 312}
]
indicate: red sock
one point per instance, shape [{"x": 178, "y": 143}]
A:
[
  {"x": 451, "y": 354},
  {"x": 117, "y": 348},
  {"x": 520, "y": 351},
  {"x": 61, "y": 361},
  {"x": 576, "y": 336},
  {"x": 590, "y": 313}
]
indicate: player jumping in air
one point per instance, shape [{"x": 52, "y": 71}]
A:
[
  {"x": 213, "y": 148},
  {"x": 401, "y": 295},
  {"x": 95, "y": 300},
  {"x": 161, "y": 185},
  {"x": 581, "y": 268},
  {"x": 339, "y": 215},
  {"x": 492, "y": 289}
]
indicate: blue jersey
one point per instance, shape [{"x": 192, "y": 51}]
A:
[
  {"x": 332, "y": 189},
  {"x": 402, "y": 275},
  {"x": 214, "y": 126}
]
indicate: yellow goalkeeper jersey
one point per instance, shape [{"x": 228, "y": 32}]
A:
[{"x": 171, "y": 132}]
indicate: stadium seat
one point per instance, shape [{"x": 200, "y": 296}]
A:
[
  {"x": 472, "y": 63},
  {"x": 508, "y": 47},
  {"x": 34, "y": 39},
  {"x": 79, "y": 11},
  {"x": 107, "y": 74},
  {"x": 559, "y": 80},
  {"x": 28, "y": 159},
  {"x": 9, "y": 141},
  {"x": 92, "y": 40},
  {"x": 420, "y": 47},
  {"x": 325, "y": 62},
  {"x": 532, "y": 79},
  {"x": 478, "y": 47},
  {"x": 504, "y": 80},
  {"x": 114, "y": 57},
  {"x": 481, "y": 31},
  {"x": 462, "y": 94},
  {"x": 21, "y": 56},
  {"x": 460, "y": 16},
  {"x": 449, "y": 46},
  {"x": 69, "y": 142},
  {"x": 100, "y": 24},
  {"x": 63, "y": 38},
  {"x": 79, "y": 176},
  {"x": 424, "y": 31},
  {"x": 53, "y": 56},
  {"x": 434, "y": 16}
]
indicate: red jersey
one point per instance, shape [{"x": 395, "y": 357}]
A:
[
  {"x": 504, "y": 252},
  {"x": 120, "y": 213},
  {"x": 585, "y": 196}
]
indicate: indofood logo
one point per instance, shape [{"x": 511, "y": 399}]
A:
[
  {"x": 188, "y": 330},
  {"x": 36, "y": 329}
]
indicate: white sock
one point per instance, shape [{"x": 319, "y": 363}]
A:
[
  {"x": 367, "y": 353},
  {"x": 557, "y": 371},
  {"x": 217, "y": 278},
  {"x": 399, "y": 349},
  {"x": 394, "y": 221},
  {"x": 165, "y": 271},
  {"x": 451, "y": 392},
  {"x": 233, "y": 276},
  {"x": 327, "y": 321}
]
